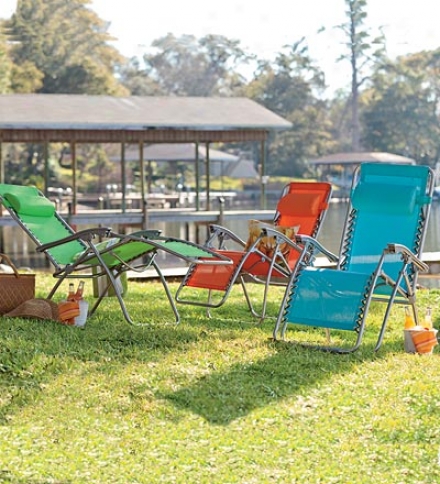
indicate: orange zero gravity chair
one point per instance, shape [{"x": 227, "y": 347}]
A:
[{"x": 262, "y": 259}]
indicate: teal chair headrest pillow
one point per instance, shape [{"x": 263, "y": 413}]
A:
[{"x": 385, "y": 198}]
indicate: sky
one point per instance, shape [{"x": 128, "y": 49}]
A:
[{"x": 264, "y": 27}]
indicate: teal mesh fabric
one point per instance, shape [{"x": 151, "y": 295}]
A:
[
  {"x": 388, "y": 201},
  {"x": 384, "y": 198},
  {"x": 327, "y": 298},
  {"x": 371, "y": 235},
  {"x": 387, "y": 207}
]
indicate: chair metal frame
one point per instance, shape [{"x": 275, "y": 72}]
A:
[
  {"x": 113, "y": 260},
  {"x": 252, "y": 265},
  {"x": 382, "y": 283}
]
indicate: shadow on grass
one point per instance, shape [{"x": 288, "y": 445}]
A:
[
  {"x": 32, "y": 353},
  {"x": 223, "y": 397}
]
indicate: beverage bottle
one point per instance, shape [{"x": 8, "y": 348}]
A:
[
  {"x": 71, "y": 298},
  {"x": 71, "y": 293},
  {"x": 80, "y": 291},
  {"x": 427, "y": 323},
  {"x": 409, "y": 320},
  {"x": 80, "y": 320}
]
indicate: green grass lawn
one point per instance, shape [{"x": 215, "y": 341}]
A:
[{"x": 211, "y": 400}]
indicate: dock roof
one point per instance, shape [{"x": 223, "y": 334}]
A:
[
  {"x": 175, "y": 152},
  {"x": 84, "y": 118},
  {"x": 354, "y": 158}
]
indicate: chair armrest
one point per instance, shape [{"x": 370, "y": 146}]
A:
[
  {"x": 222, "y": 234},
  {"x": 85, "y": 235},
  {"x": 309, "y": 243},
  {"x": 408, "y": 255},
  {"x": 147, "y": 233},
  {"x": 279, "y": 236}
]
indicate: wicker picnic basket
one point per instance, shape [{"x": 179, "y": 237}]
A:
[{"x": 15, "y": 288}]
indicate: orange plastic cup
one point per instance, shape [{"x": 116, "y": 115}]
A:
[{"x": 424, "y": 340}]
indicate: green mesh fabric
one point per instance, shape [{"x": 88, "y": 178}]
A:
[
  {"x": 18, "y": 190},
  {"x": 184, "y": 249},
  {"x": 127, "y": 252},
  {"x": 38, "y": 215},
  {"x": 131, "y": 250},
  {"x": 50, "y": 229}
]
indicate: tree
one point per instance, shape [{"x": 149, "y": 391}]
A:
[
  {"x": 289, "y": 88},
  {"x": 137, "y": 80},
  {"x": 65, "y": 46},
  {"x": 187, "y": 66},
  {"x": 402, "y": 107},
  {"x": 26, "y": 164},
  {"x": 362, "y": 52},
  {"x": 5, "y": 64},
  {"x": 26, "y": 78},
  {"x": 58, "y": 46}
]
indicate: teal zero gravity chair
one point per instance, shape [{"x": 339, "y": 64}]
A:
[
  {"x": 379, "y": 259},
  {"x": 95, "y": 252}
]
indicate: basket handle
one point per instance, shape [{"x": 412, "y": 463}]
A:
[{"x": 10, "y": 263}]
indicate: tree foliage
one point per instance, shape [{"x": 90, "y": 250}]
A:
[
  {"x": 58, "y": 46},
  {"x": 289, "y": 87},
  {"x": 187, "y": 66},
  {"x": 362, "y": 52},
  {"x": 62, "y": 47},
  {"x": 402, "y": 107},
  {"x": 5, "y": 64},
  {"x": 137, "y": 81}
]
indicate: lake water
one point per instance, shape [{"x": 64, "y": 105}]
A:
[
  {"x": 331, "y": 229},
  {"x": 21, "y": 249}
]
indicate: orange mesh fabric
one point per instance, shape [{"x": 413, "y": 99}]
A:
[
  {"x": 301, "y": 204},
  {"x": 215, "y": 277}
]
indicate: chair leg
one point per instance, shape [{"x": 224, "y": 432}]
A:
[
  {"x": 124, "y": 307},
  {"x": 122, "y": 302},
  {"x": 209, "y": 303},
  {"x": 167, "y": 291},
  {"x": 265, "y": 295},
  {"x": 55, "y": 287},
  {"x": 248, "y": 300},
  {"x": 113, "y": 283},
  {"x": 389, "y": 306}
]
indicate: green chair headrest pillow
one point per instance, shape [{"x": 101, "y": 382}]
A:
[{"x": 36, "y": 206}]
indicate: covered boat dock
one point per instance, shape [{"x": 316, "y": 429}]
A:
[
  {"x": 74, "y": 119},
  {"x": 338, "y": 168}
]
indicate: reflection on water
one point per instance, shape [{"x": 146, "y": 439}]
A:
[{"x": 22, "y": 250}]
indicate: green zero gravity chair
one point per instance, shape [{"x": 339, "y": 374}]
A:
[
  {"x": 379, "y": 259},
  {"x": 95, "y": 252}
]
